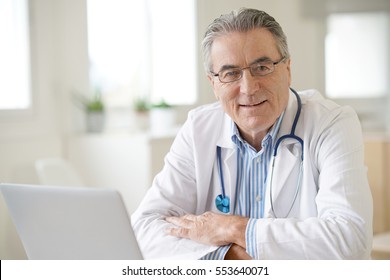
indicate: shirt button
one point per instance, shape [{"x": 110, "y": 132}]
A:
[{"x": 258, "y": 198}]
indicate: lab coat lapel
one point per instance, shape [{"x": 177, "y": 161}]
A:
[
  {"x": 228, "y": 160},
  {"x": 286, "y": 165},
  {"x": 285, "y": 176},
  {"x": 230, "y": 165},
  {"x": 289, "y": 115}
]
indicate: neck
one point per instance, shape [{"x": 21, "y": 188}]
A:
[{"x": 254, "y": 139}]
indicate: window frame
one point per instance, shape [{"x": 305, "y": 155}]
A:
[
  {"x": 372, "y": 116},
  {"x": 384, "y": 60},
  {"x": 22, "y": 114},
  {"x": 147, "y": 93}
]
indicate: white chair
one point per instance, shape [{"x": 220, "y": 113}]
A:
[{"x": 58, "y": 172}]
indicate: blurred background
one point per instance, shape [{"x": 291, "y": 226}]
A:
[{"x": 93, "y": 92}]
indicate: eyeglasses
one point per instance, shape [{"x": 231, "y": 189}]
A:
[{"x": 261, "y": 68}]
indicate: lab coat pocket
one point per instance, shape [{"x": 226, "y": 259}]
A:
[{"x": 283, "y": 181}]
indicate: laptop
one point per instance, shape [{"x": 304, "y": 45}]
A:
[{"x": 71, "y": 223}]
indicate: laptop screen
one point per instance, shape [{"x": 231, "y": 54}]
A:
[{"x": 71, "y": 223}]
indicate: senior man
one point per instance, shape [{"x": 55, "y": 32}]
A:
[{"x": 263, "y": 173}]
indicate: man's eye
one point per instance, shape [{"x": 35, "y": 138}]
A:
[
  {"x": 261, "y": 68},
  {"x": 231, "y": 73}
]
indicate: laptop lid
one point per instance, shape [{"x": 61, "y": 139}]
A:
[{"x": 71, "y": 223}]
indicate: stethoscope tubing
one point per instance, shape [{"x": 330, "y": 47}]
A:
[
  {"x": 219, "y": 156},
  {"x": 291, "y": 135}
]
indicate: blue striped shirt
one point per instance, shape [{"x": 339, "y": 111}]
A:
[{"x": 252, "y": 171}]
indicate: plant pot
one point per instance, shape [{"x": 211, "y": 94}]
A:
[
  {"x": 162, "y": 120},
  {"x": 142, "y": 120},
  {"x": 95, "y": 121}
]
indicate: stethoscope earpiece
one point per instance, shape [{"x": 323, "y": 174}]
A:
[{"x": 222, "y": 203}]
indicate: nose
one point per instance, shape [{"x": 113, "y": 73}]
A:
[{"x": 249, "y": 84}]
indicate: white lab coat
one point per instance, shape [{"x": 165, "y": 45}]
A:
[{"x": 332, "y": 217}]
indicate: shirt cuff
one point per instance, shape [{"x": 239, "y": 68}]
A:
[
  {"x": 251, "y": 239},
  {"x": 218, "y": 254}
]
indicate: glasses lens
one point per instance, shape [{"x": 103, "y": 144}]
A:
[
  {"x": 258, "y": 69},
  {"x": 230, "y": 75},
  {"x": 262, "y": 68}
]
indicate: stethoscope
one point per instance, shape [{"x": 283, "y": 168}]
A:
[{"x": 222, "y": 202}]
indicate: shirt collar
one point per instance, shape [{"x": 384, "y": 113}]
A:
[{"x": 241, "y": 143}]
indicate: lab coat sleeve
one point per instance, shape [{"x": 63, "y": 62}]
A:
[
  {"x": 342, "y": 228},
  {"x": 173, "y": 193}
]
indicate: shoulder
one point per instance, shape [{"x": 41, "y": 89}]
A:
[
  {"x": 208, "y": 110},
  {"x": 324, "y": 121},
  {"x": 206, "y": 125},
  {"x": 316, "y": 107},
  {"x": 207, "y": 115}
]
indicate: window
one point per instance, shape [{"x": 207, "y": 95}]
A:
[
  {"x": 143, "y": 49},
  {"x": 15, "y": 91},
  {"x": 357, "y": 55}
]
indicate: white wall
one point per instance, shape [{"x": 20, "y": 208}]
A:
[{"x": 59, "y": 62}]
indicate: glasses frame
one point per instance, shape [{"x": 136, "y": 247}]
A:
[{"x": 274, "y": 63}]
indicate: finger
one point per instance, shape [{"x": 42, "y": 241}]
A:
[
  {"x": 190, "y": 217},
  {"x": 180, "y": 221},
  {"x": 178, "y": 232},
  {"x": 173, "y": 220}
]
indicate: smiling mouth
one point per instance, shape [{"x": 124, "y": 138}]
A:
[{"x": 253, "y": 105}]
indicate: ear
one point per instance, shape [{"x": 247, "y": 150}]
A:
[
  {"x": 212, "y": 82},
  {"x": 288, "y": 64}
]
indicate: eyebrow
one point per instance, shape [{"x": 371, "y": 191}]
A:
[
  {"x": 227, "y": 66},
  {"x": 258, "y": 60},
  {"x": 261, "y": 59}
]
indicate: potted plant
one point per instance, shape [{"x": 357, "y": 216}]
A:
[
  {"x": 141, "y": 105},
  {"x": 141, "y": 108},
  {"x": 94, "y": 110},
  {"x": 162, "y": 117}
]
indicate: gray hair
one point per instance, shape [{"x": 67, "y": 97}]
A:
[{"x": 242, "y": 20}]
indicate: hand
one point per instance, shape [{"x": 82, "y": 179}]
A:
[
  {"x": 210, "y": 228},
  {"x": 236, "y": 252}
]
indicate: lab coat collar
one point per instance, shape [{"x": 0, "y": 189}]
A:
[
  {"x": 289, "y": 115},
  {"x": 224, "y": 140}
]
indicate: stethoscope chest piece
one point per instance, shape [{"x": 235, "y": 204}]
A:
[{"x": 222, "y": 203}]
